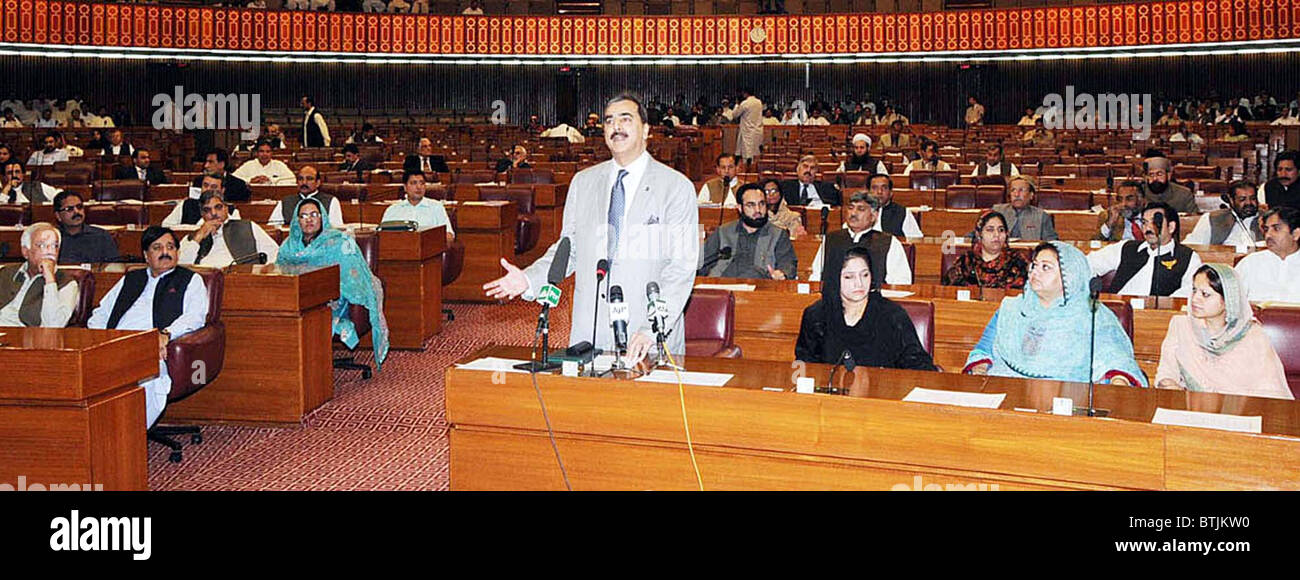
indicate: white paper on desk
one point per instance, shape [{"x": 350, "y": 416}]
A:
[
  {"x": 887, "y": 293},
  {"x": 728, "y": 287},
  {"x": 688, "y": 378},
  {"x": 958, "y": 398},
  {"x": 492, "y": 363},
  {"x": 1236, "y": 423}
]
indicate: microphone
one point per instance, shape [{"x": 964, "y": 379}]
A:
[
  {"x": 722, "y": 254},
  {"x": 1159, "y": 222},
  {"x": 826, "y": 216},
  {"x": 1094, "y": 289},
  {"x": 549, "y": 296},
  {"x": 618, "y": 318},
  {"x": 602, "y": 270},
  {"x": 656, "y": 311},
  {"x": 845, "y": 359}
]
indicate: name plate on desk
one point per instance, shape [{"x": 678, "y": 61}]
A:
[
  {"x": 1236, "y": 423},
  {"x": 956, "y": 398},
  {"x": 688, "y": 378}
]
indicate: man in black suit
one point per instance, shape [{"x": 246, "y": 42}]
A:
[
  {"x": 117, "y": 147},
  {"x": 140, "y": 169},
  {"x": 806, "y": 190},
  {"x": 353, "y": 162},
  {"x": 518, "y": 159},
  {"x": 424, "y": 160}
]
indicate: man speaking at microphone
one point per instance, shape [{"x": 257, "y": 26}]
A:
[{"x": 639, "y": 213}]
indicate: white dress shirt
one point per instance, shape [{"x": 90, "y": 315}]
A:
[
  {"x": 140, "y": 317},
  {"x": 276, "y": 171},
  {"x": 56, "y": 306},
  {"x": 1107, "y": 260},
  {"x": 336, "y": 212},
  {"x": 429, "y": 213},
  {"x": 1269, "y": 277},
  {"x": 219, "y": 256},
  {"x": 728, "y": 201},
  {"x": 631, "y": 183},
  {"x": 1128, "y": 230},
  {"x": 919, "y": 165},
  {"x": 40, "y": 157},
  {"x": 910, "y": 228},
  {"x": 880, "y": 168},
  {"x": 18, "y": 198},
  {"x": 897, "y": 270},
  {"x": 1237, "y": 237},
  {"x": 173, "y": 219}
]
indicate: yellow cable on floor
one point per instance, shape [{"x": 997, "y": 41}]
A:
[{"x": 681, "y": 393}]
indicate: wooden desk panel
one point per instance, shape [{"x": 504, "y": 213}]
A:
[
  {"x": 487, "y": 229},
  {"x": 621, "y": 435},
  {"x": 71, "y": 411},
  {"x": 279, "y": 360},
  {"x": 410, "y": 264}
]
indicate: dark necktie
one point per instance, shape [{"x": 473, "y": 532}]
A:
[
  {"x": 617, "y": 202},
  {"x": 425, "y": 161},
  {"x": 806, "y": 197}
]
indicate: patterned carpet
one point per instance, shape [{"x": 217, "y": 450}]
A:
[{"x": 388, "y": 433}]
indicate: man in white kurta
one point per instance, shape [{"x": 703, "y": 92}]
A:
[
  {"x": 749, "y": 115},
  {"x": 263, "y": 170},
  {"x": 1274, "y": 274},
  {"x": 160, "y": 251}
]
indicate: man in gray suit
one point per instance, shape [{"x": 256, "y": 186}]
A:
[
  {"x": 1025, "y": 221},
  {"x": 638, "y": 213}
]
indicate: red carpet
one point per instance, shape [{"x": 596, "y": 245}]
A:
[{"x": 387, "y": 433}]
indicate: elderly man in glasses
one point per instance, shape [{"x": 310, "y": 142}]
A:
[
  {"x": 36, "y": 292},
  {"x": 222, "y": 239},
  {"x": 82, "y": 243}
]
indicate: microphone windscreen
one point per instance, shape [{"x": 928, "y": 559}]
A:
[
  {"x": 847, "y": 358},
  {"x": 602, "y": 268},
  {"x": 1094, "y": 285},
  {"x": 652, "y": 289},
  {"x": 725, "y": 253},
  {"x": 560, "y": 264}
]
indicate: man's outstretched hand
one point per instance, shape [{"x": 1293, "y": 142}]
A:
[{"x": 507, "y": 287}]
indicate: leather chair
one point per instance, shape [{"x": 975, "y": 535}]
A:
[
  {"x": 854, "y": 179},
  {"x": 117, "y": 214},
  {"x": 910, "y": 250},
  {"x": 119, "y": 189},
  {"x": 67, "y": 177},
  {"x": 368, "y": 242},
  {"x": 12, "y": 215},
  {"x": 710, "y": 324},
  {"x": 978, "y": 180},
  {"x": 531, "y": 176},
  {"x": 922, "y": 314},
  {"x": 197, "y": 355},
  {"x": 528, "y": 228},
  {"x": 1282, "y": 325},
  {"x": 85, "y": 295},
  {"x": 1064, "y": 200},
  {"x": 1106, "y": 280},
  {"x": 1124, "y": 312},
  {"x": 474, "y": 176},
  {"x": 990, "y": 195},
  {"x": 453, "y": 261},
  {"x": 345, "y": 192},
  {"x": 961, "y": 197}
]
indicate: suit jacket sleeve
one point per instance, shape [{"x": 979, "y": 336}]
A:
[
  {"x": 786, "y": 259},
  {"x": 682, "y": 242},
  {"x": 1049, "y": 227},
  {"x": 812, "y": 334}
]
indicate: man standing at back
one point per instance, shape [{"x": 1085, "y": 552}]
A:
[
  {"x": 639, "y": 213},
  {"x": 749, "y": 115},
  {"x": 314, "y": 131}
]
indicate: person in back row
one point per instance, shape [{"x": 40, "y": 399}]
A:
[{"x": 223, "y": 239}]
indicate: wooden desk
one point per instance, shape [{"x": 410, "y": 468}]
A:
[
  {"x": 71, "y": 411},
  {"x": 279, "y": 362},
  {"x": 618, "y": 435},
  {"x": 487, "y": 229},
  {"x": 410, "y": 264}
]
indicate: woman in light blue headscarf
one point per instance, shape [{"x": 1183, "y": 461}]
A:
[
  {"x": 1043, "y": 333},
  {"x": 313, "y": 242}
]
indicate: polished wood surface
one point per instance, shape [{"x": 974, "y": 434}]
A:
[
  {"x": 278, "y": 365},
  {"x": 71, "y": 409},
  {"x": 487, "y": 229},
  {"x": 410, "y": 264},
  {"x": 629, "y": 435}
]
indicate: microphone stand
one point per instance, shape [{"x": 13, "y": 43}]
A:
[{"x": 1092, "y": 339}]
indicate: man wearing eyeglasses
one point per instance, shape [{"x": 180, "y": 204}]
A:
[
  {"x": 82, "y": 243},
  {"x": 759, "y": 249},
  {"x": 36, "y": 292},
  {"x": 16, "y": 189},
  {"x": 222, "y": 239},
  {"x": 308, "y": 186}
]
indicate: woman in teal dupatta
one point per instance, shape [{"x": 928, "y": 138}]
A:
[
  {"x": 313, "y": 242},
  {"x": 1043, "y": 333}
]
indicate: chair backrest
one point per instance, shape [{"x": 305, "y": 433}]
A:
[
  {"x": 922, "y": 314},
  {"x": 345, "y": 192},
  {"x": 453, "y": 261},
  {"x": 474, "y": 176},
  {"x": 710, "y": 321},
  {"x": 523, "y": 197},
  {"x": 1124, "y": 312},
  {"x": 532, "y": 176},
  {"x": 1282, "y": 325},
  {"x": 368, "y": 242},
  {"x": 215, "y": 281},
  {"x": 119, "y": 189},
  {"x": 961, "y": 197},
  {"x": 85, "y": 280},
  {"x": 910, "y": 250},
  {"x": 1064, "y": 200},
  {"x": 12, "y": 215}
]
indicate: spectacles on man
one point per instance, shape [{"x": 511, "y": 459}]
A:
[{"x": 78, "y": 207}]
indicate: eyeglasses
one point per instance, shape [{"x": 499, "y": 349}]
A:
[
  {"x": 47, "y": 246},
  {"x": 315, "y": 215},
  {"x": 78, "y": 207}
]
